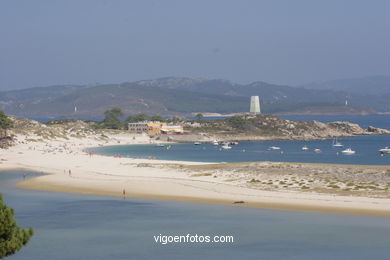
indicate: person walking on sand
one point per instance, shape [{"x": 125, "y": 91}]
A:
[
  {"x": 70, "y": 173},
  {"x": 124, "y": 193}
]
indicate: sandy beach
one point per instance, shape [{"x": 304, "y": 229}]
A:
[{"x": 69, "y": 168}]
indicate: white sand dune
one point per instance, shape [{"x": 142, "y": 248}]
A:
[{"x": 95, "y": 174}]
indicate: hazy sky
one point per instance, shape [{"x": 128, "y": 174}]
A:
[{"x": 46, "y": 42}]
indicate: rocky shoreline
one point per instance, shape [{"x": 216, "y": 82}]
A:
[
  {"x": 268, "y": 128},
  {"x": 259, "y": 128}
]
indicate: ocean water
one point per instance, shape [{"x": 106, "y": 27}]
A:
[
  {"x": 69, "y": 226},
  {"x": 366, "y": 147}
]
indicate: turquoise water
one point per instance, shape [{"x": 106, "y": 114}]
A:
[
  {"x": 69, "y": 226},
  {"x": 366, "y": 148}
]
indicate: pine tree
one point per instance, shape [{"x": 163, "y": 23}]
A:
[
  {"x": 5, "y": 123},
  {"x": 111, "y": 119},
  {"x": 12, "y": 237}
]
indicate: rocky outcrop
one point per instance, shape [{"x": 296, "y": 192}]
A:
[
  {"x": 269, "y": 127},
  {"x": 375, "y": 130}
]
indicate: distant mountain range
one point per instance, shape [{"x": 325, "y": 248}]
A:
[
  {"x": 373, "y": 85},
  {"x": 182, "y": 96}
]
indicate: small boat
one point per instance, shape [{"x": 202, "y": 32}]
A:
[
  {"x": 385, "y": 150},
  {"x": 160, "y": 145},
  {"x": 197, "y": 143},
  {"x": 274, "y": 148},
  {"x": 226, "y": 147},
  {"x": 317, "y": 150},
  {"x": 337, "y": 144},
  {"x": 348, "y": 151},
  {"x": 305, "y": 148},
  {"x": 215, "y": 142},
  {"x": 233, "y": 143}
]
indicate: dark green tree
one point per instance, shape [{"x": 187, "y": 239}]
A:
[
  {"x": 157, "y": 118},
  {"x": 199, "y": 116},
  {"x": 136, "y": 118},
  {"x": 5, "y": 123},
  {"x": 111, "y": 119},
  {"x": 12, "y": 238}
]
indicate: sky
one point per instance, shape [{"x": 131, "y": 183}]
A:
[{"x": 51, "y": 42}]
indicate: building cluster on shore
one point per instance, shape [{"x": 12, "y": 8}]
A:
[{"x": 155, "y": 128}]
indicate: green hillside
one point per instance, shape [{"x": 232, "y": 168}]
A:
[{"x": 179, "y": 96}]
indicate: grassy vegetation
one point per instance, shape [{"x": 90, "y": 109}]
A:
[{"x": 201, "y": 174}]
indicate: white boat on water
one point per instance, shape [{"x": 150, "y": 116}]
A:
[
  {"x": 337, "y": 144},
  {"x": 233, "y": 143},
  {"x": 305, "y": 148},
  {"x": 385, "y": 150},
  {"x": 274, "y": 148},
  {"x": 348, "y": 151},
  {"x": 215, "y": 142},
  {"x": 317, "y": 150},
  {"x": 226, "y": 147},
  {"x": 160, "y": 145},
  {"x": 196, "y": 143}
]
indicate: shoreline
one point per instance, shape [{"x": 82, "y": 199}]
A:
[
  {"x": 166, "y": 180},
  {"x": 34, "y": 184}
]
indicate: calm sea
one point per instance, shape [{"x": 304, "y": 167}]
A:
[
  {"x": 69, "y": 226},
  {"x": 366, "y": 147}
]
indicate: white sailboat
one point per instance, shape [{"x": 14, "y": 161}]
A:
[
  {"x": 226, "y": 146},
  {"x": 305, "y": 148},
  {"x": 348, "y": 151},
  {"x": 337, "y": 144}
]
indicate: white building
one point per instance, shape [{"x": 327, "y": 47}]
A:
[
  {"x": 255, "y": 105},
  {"x": 138, "y": 127}
]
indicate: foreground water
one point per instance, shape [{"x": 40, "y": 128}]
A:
[{"x": 69, "y": 226}]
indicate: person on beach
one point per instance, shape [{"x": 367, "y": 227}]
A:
[
  {"x": 124, "y": 193},
  {"x": 70, "y": 173}
]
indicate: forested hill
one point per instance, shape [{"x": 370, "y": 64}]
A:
[{"x": 180, "y": 96}]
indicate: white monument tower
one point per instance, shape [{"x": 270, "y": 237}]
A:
[{"x": 255, "y": 105}]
